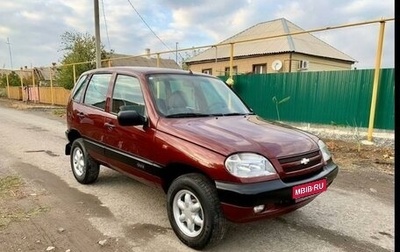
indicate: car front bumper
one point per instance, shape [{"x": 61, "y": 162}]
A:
[{"x": 239, "y": 200}]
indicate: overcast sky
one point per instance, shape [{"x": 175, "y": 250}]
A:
[{"x": 34, "y": 27}]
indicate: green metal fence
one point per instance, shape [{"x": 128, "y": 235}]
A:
[{"x": 328, "y": 97}]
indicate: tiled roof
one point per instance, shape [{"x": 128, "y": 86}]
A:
[
  {"x": 302, "y": 43},
  {"x": 43, "y": 73},
  {"x": 127, "y": 60},
  {"x": 121, "y": 60}
]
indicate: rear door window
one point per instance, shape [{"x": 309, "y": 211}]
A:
[
  {"x": 96, "y": 91},
  {"x": 79, "y": 88}
]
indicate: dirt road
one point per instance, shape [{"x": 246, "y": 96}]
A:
[{"x": 42, "y": 207}]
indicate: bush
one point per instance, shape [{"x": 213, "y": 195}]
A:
[{"x": 3, "y": 92}]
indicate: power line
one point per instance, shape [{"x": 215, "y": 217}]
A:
[
  {"x": 148, "y": 25},
  {"x": 140, "y": 16},
  {"x": 105, "y": 24}
]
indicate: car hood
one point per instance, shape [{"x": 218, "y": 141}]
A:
[{"x": 230, "y": 134}]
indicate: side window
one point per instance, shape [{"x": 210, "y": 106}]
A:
[
  {"x": 227, "y": 70},
  {"x": 207, "y": 71},
  {"x": 260, "y": 68},
  {"x": 97, "y": 90},
  {"x": 127, "y": 95},
  {"x": 79, "y": 88}
]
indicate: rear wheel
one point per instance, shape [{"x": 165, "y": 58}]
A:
[
  {"x": 194, "y": 211},
  {"x": 84, "y": 168}
]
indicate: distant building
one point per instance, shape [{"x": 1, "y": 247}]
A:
[
  {"x": 42, "y": 74},
  {"x": 24, "y": 73},
  {"x": 292, "y": 53},
  {"x": 5, "y": 71},
  {"x": 147, "y": 61}
]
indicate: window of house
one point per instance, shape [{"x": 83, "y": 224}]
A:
[
  {"x": 260, "y": 68},
  {"x": 127, "y": 95},
  {"x": 207, "y": 71},
  {"x": 96, "y": 92},
  {"x": 235, "y": 70}
]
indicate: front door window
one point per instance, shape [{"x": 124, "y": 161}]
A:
[{"x": 127, "y": 95}]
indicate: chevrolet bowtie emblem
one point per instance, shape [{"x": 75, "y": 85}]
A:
[{"x": 304, "y": 161}]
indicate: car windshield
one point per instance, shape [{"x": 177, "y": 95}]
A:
[{"x": 182, "y": 95}]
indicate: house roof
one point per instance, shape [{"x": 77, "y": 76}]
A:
[
  {"x": 5, "y": 71},
  {"x": 129, "y": 60},
  {"x": 120, "y": 60},
  {"x": 304, "y": 43}
]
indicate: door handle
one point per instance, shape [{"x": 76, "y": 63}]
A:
[
  {"x": 109, "y": 125},
  {"x": 80, "y": 114}
]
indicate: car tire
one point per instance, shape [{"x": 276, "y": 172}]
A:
[
  {"x": 84, "y": 168},
  {"x": 194, "y": 211}
]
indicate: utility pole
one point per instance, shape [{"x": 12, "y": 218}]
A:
[
  {"x": 97, "y": 33},
  {"x": 9, "y": 50},
  {"x": 378, "y": 61}
]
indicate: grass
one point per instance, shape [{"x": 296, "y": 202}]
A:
[
  {"x": 9, "y": 215},
  {"x": 59, "y": 112},
  {"x": 9, "y": 185},
  {"x": 3, "y": 92},
  {"x": 10, "y": 188}
]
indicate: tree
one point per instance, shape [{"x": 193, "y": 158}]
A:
[
  {"x": 3, "y": 80},
  {"x": 79, "y": 48},
  {"x": 13, "y": 79},
  {"x": 27, "y": 80}
]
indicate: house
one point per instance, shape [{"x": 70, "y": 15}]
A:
[
  {"x": 128, "y": 60},
  {"x": 291, "y": 53},
  {"x": 43, "y": 73},
  {"x": 24, "y": 74}
]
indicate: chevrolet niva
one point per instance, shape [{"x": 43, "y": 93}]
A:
[{"x": 192, "y": 136}]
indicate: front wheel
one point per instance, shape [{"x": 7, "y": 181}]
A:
[
  {"x": 194, "y": 211},
  {"x": 84, "y": 168}
]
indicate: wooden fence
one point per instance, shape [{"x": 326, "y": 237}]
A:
[
  {"x": 15, "y": 93},
  {"x": 47, "y": 95},
  {"x": 57, "y": 95}
]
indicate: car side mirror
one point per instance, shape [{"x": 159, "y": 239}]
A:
[{"x": 130, "y": 118}]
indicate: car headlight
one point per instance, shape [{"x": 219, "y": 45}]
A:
[
  {"x": 324, "y": 149},
  {"x": 247, "y": 165}
]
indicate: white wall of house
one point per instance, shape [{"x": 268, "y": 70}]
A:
[{"x": 246, "y": 65}]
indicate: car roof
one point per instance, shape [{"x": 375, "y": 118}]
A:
[{"x": 143, "y": 70}]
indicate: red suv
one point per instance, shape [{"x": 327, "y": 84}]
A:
[{"x": 192, "y": 136}]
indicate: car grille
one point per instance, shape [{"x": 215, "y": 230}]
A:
[{"x": 294, "y": 168}]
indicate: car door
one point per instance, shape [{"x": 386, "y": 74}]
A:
[
  {"x": 91, "y": 114},
  {"x": 129, "y": 147}
]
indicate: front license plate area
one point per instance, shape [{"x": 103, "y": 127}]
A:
[{"x": 305, "y": 190}]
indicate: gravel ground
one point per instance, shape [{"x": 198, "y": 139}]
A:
[
  {"x": 46, "y": 209},
  {"x": 380, "y": 138}
]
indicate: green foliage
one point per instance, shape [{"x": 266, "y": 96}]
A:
[
  {"x": 79, "y": 48},
  {"x": 3, "y": 80},
  {"x": 13, "y": 79},
  {"x": 28, "y": 81},
  {"x": 185, "y": 66}
]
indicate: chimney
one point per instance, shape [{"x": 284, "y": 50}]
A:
[{"x": 147, "y": 52}]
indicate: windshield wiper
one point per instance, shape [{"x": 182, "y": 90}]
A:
[
  {"x": 183, "y": 115},
  {"x": 233, "y": 114}
]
